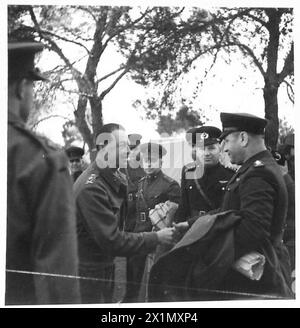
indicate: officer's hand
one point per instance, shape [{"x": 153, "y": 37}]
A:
[
  {"x": 181, "y": 227},
  {"x": 166, "y": 236}
]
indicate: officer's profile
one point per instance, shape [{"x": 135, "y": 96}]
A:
[{"x": 40, "y": 205}]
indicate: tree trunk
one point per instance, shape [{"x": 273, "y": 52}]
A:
[{"x": 271, "y": 114}]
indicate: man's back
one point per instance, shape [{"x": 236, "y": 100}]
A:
[{"x": 41, "y": 234}]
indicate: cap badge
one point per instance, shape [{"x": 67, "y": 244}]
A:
[{"x": 204, "y": 135}]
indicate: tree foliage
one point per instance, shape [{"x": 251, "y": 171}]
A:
[
  {"x": 157, "y": 46},
  {"x": 184, "y": 119}
]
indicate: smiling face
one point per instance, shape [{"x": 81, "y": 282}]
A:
[{"x": 233, "y": 146}]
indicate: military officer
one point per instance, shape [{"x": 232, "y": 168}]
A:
[
  {"x": 41, "y": 231},
  {"x": 154, "y": 188},
  {"x": 101, "y": 203},
  {"x": 76, "y": 163},
  {"x": 258, "y": 194},
  {"x": 203, "y": 192},
  {"x": 134, "y": 173}
]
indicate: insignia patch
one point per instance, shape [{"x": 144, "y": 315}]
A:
[
  {"x": 258, "y": 164},
  {"x": 91, "y": 179}
]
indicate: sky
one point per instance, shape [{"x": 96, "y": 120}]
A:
[{"x": 118, "y": 107}]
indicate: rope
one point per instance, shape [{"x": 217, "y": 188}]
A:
[{"x": 216, "y": 291}]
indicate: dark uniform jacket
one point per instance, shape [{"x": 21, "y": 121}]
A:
[
  {"x": 101, "y": 202},
  {"x": 152, "y": 190},
  {"x": 41, "y": 230},
  {"x": 212, "y": 185},
  {"x": 254, "y": 213},
  {"x": 258, "y": 192},
  {"x": 134, "y": 176}
]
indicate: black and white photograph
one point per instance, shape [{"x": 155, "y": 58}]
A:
[{"x": 150, "y": 153}]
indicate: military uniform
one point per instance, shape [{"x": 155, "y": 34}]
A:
[
  {"x": 258, "y": 192},
  {"x": 41, "y": 231},
  {"x": 152, "y": 190},
  {"x": 133, "y": 175},
  {"x": 200, "y": 195},
  {"x": 101, "y": 202},
  {"x": 204, "y": 194}
]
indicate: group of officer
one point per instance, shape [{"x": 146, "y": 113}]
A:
[{"x": 61, "y": 245}]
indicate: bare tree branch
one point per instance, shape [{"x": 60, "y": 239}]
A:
[
  {"x": 52, "y": 44},
  {"x": 110, "y": 74},
  {"x": 288, "y": 67},
  {"x": 47, "y": 118},
  {"x": 105, "y": 92},
  {"x": 290, "y": 91},
  {"x": 124, "y": 28},
  {"x": 259, "y": 20}
]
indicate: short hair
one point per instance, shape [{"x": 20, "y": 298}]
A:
[{"x": 107, "y": 129}]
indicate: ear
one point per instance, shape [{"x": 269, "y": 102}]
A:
[
  {"x": 244, "y": 138},
  {"x": 20, "y": 89}
]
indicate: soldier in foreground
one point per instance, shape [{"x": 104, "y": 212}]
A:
[
  {"x": 248, "y": 226},
  {"x": 101, "y": 202},
  {"x": 41, "y": 231}
]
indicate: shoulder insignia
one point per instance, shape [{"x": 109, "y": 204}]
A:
[
  {"x": 92, "y": 178},
  {"x": 190, "y": 166},
  {"x": 258, "y": 164}
]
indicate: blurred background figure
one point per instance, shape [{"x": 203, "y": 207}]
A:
[
  {"x": 134, "y": 173},
  {"x": 76, "y": 162},
  {"x": 289, "y": 154}
]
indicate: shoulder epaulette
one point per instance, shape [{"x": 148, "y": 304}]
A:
[
  {"x": 258, "y": 164},
  {"x": 92, "y": 178}
]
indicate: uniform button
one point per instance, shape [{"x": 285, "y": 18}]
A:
[
  {"x": 190, "y": 187},
  {"x": 228, "y": 189},
  {"x": 237, "y": 179},
  {"x": 223, "y": 188}
]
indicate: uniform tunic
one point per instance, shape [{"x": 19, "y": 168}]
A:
[
  {"x": 41, "y": 230},
  {"x": 101, "y": 202},
  {"x": 212, "y": 184},
  {"x": 152, "y": 190},
  {"x": 133, "y": 175},
  {"x": 258, "y": 192}
]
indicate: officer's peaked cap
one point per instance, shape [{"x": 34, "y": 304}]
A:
[
  {"x": 21, "y": 60},
  {"x": 234, "y": 122},
  {"x": 134, "y": 140},
  {"x": 210, "y": 135},
  {"x": 74, "y": 152},
  {"x": 154, "y": 149}
]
